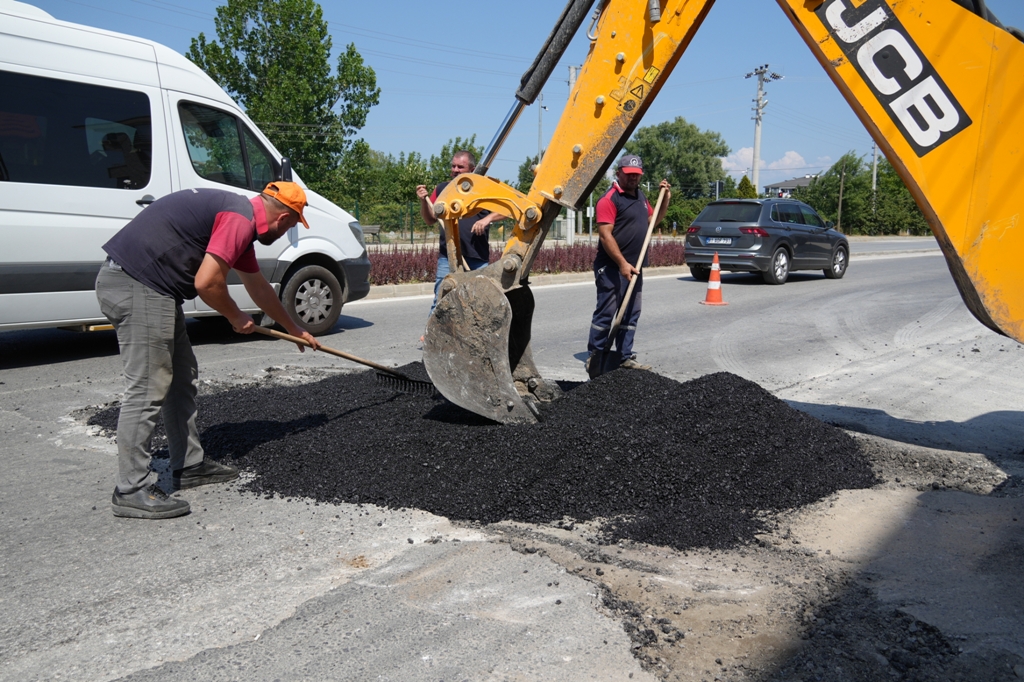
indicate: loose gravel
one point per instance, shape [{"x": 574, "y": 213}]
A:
[{"x": 694, "y": 464}]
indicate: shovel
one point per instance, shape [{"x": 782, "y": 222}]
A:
[
  {"x": 601, "y": 357},
  {"x": 385, "y": 375}
]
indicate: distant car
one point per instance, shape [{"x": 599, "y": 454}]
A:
[{"x": 770, "y": 236}]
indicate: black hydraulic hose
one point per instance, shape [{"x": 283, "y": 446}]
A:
[{"x": 537, "y": 75}]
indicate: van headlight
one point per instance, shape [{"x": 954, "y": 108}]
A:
[{"x": 357, "y": 232}]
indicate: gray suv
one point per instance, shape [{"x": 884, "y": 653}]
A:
[{"x": 770, "y": 236}]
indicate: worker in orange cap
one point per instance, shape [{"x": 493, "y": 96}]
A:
[{"x": 182, "y": 246}]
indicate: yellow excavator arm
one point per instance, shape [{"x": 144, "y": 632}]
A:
[{"x": 939, "y": 87}]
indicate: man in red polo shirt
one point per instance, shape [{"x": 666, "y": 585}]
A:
[
  {"x": 622, "y": 220},
  {"x": 182, "y": 246}
]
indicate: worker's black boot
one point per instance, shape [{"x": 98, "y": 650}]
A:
[
  {"x": 147, "y": 503},
  {"x": 204, "y": 473}
]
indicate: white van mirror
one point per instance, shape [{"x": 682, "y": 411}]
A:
[{"x": 286, "y": 170}]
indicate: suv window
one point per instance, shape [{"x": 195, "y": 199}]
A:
[
  {"x": 810, "y": 217},
  {"x": 223, "y": 150},
  {"x": 57, "y": 132},
  {"x": 730, "y": 213},
  {"x": 787, "y": 213}
]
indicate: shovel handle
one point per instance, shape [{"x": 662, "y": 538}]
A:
[
  {"x": 639, "y": 266},
  {"x": 330, "y": 351}
]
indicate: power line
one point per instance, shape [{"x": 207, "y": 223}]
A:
[
  {"x": 192, "y": 14},
  {"x": 130, "y": 16},
  {"x": 417, "y": 60},
  {"x": 438, "y": 47}
]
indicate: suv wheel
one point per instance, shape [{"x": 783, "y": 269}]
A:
[
  {"x": 778, "y": 270},
  {"x": 701, "y": 273},
  {"x": 312, "y": 295},
  {"x": 840, "y": 261}
]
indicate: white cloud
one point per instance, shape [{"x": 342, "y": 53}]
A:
[
  {"x": 789, "y": 160},
  {"x": 739, "y": 160},
  {"x": 791, "y": 164}
]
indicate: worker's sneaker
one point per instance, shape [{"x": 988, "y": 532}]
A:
[
  {"x": 204, "y": 473},
  {"x": 147, "y": 503},
  {"x": 632, "y": 363}
]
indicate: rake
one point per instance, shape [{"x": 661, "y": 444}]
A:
[{"x": 386, "y": 376}]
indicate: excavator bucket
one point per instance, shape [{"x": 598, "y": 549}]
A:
[{"x": 475, "y": 340}]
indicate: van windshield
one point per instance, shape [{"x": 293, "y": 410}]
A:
[{"x": 735, "y": 212}]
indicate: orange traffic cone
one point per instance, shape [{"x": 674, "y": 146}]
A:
[{"x": 714, "y": 295}]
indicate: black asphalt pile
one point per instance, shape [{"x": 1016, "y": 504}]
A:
[{"x": 693, "y": 464}]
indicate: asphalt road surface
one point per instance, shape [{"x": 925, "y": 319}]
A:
[{"x": 252, "y": 588}]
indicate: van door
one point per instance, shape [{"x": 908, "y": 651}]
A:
[
  {"x": 218, "y": 151},
  {"x": 78, "y": 160}
]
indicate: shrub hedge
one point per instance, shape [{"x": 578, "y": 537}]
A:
[{"x": 392, "y": 265}]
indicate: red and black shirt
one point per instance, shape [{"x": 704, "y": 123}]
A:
[
  {"x": 629, "y": 218},
  {"x": 163, "y": 246}
]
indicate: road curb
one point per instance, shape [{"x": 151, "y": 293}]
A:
[{"x": 383, "y": 291}]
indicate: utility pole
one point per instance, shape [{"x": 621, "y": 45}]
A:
[
  {"x": 763, "y": 74},
  {"x": 839, "y": 213}
]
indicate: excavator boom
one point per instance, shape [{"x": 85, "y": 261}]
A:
[{"x": 937, "y": 86}]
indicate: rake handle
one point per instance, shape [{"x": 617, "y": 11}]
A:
[{"x": 330, "y": 351}]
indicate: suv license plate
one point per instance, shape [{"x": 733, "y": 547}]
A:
[{"x": 719, "y": 240}]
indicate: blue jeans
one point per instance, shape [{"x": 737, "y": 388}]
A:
[
  {"x": 443, "y": 269},
  {"x": 611, "y": 288},
  {"x": 161, "y": 375}
]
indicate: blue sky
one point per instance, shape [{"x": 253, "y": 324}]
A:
[{"x": 448, "y": 70}]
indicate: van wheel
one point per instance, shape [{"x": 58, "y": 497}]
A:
[
  {"x": 778, "y": 269},
  {"x": 312, "y": 295}
]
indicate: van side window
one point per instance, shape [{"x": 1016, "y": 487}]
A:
[
  {"x": 222, "y": 149},
  {"x": 56, "y": 132},
  {"x": 213, "y": 144},
  {"x": 261, "y": 163}
]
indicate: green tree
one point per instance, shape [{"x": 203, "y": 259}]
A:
[
  {"x": 745, "y": 190},
  {"x": 730, "y": 189},
  {"x": 525, "y": 177},
  {"x": 440, "y": 165},
  {"x": 380, "y": 186},
  {"x": 274, "y": 59},
  {"x": 690, "y": 159},
  {"x": 895, "y": 210},
  {"x": 850, "y": 175}
]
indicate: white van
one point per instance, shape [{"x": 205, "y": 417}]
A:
[{"x": 95, "y": 126}]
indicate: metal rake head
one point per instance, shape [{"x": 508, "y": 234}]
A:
[{"x": 403, "y": 384}]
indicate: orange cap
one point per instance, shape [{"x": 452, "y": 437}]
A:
[{"x": 289, "y": 194}]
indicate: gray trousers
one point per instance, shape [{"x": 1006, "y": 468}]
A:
[{"x": 160, "y": 372}]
